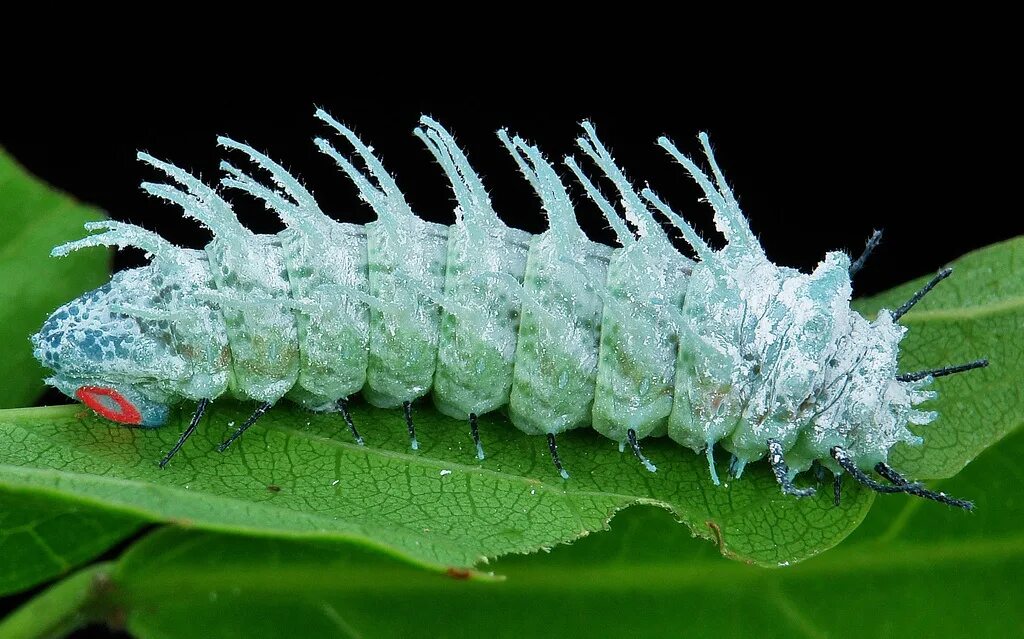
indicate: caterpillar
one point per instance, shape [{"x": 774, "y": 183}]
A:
[{"x": 725, "y": 349}]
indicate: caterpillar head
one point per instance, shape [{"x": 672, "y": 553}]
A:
[{"x": 106, "y": 356}]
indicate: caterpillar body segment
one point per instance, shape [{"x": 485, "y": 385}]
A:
[
  {"x": 334, "y": 327},
  {"x": 407, "y": 260},
  {"x": 559, "y": 337},
  {"x": 263, "y": 337},
  {"x": 559, "y": 334},
  {"x": 324, "y": 259},
  {"x": 728, "y": 350},
  {"x": 196, "y": 326},
  {"x": 639, "y": 341},
  {"x": 486, "y": 262},
  {"x": 403, "y": 349},
  {"x": 646, "y": 282},
  {"x": 479, "y": 321}
]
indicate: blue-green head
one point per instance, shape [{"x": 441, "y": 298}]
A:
[{"x": 104, "y": 352}]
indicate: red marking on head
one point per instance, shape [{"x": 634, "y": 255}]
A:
[{"x": 110, "y": 404}]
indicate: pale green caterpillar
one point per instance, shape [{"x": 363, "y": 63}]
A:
[{"x": 729, "y": 350}]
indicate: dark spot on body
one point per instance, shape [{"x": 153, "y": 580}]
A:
[
  {"x": 458, "y": 573},
  {"x": 274, "y": 488}
]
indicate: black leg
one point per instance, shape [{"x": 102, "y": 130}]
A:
[
  {"x": 781, "y": 471},
  {"x": 264, "y": 407},
  {"x": 899, "y": 483},
  {"x": 873, "y": 241},
  {"x": 474, "y": 430},
  {"x": 918, "y": 490},
  {"x": 413, "y": 443},
  {"x": 942, "y": 372},
  {"x": 635, "y": 445},
  {"x": 837, "y": 489},
  {"x": 553, "y": 447},
  {"x": 909, "y": 304},
  {"x": 343, "y": 407},
  {"x": 198, "y": 415},
  {"x": 893, "y": 477},
  {"x": 843, "y": 459}
]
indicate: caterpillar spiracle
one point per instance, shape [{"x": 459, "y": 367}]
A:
[{"x": 636, "y": 341}]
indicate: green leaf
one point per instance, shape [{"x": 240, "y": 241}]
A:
[
  {"x": 297, "y": 474},
  {"x": 45, "y": 535},
  {"x": 976, "y": 313},
  {"x": 915, "y": 569},
  {"x": 33, "y": 219}
]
